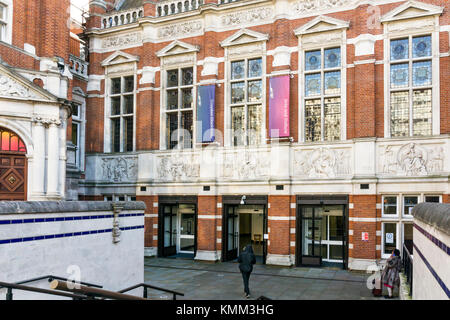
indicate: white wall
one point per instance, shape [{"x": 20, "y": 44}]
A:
[
  {"x": 115, "y": 266},
  {"x": 425, "y": 284}
]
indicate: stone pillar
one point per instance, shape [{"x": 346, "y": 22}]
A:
[
  {"x": 38, "y": 158},
  {"x": 151, "y": 224},
  {"x": 53, "y": 159}
]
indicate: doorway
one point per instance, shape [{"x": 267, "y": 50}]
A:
[
  {"x": 178, "y": 230},
  {"x": 244, "y": 225},
  {"x": 322, "y": 230},
  {"x": 13, "y": 167}
]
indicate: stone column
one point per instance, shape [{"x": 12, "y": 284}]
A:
[
  {"x": 38, "y": 158},
  {"x": 53, "y": 158}
]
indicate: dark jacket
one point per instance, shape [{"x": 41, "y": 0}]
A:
[{"x": 247, "y": 259}]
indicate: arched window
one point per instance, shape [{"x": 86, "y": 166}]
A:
[{"x": 9, "y": 141}]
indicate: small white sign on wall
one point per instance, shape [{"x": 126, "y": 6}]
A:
[
  {"x": 266, "y": 236},
  {"x": 389, "y": 238}
]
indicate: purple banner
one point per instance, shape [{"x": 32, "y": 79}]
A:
[
  {"x": 279, "y": 107},
  {"x": 205, "y": 113}
]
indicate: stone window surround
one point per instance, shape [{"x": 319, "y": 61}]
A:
[
  {"x": 435, "y": 86},
  {"x": 81, "y": 119},
  {"x": 302, "y": 49},
  {"x": 163, "y": 99}
]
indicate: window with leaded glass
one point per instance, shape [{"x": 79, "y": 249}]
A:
[
  {"x": 179, "y": 107},
  {"x": 122, "y": 94},
  {"x": 246, "y": 101},
  {"x": 3, "y": 21},
  {"x": 322, "y": 98},
  {"x": 411, "y": 86},
  {"x": 76, "y": 131}
]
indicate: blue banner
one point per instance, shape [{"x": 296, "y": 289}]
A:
[{"x": 206, "y": 113}]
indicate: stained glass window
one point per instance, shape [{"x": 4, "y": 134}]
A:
[
  {"x": 10, "y": 141},
  {"x": 421, "y": 47},
  {"x": 411, "y": 91},
  {"x": 422, "y": 73},
  {"x": 332, "y": 114},
  {"x": 312, "y": 84},
  {"x": 399, "y": 75},
  {"x": 323, "y": 78},
  {"x": 237, "y": 70},
  {"x": 122, "y": 114},
  {"x": 422, "y": 112},
  {"x": 313, "y": 124},
  {"x": 399, "y": 113},
  {"x": 179, "y": 108},
  {"x": 246, "y": 95},
  {"x": 332, "y": 58},
  {"x": 399, "y": 49},
  {"x": 313, "y": 60},
  {"x": 333, "y": 82}
]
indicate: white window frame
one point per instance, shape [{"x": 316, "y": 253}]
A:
[
  {"x": 419, "y": 200},
  {"x": 81, "y": 119},
  {"x": 398, "y": 205},
  {"x": 435, "y": 69},
  {"x": 246, "y": 104},
  {"x": 6, "y": 23},
  {"x": 165, "y": 111},
  {"x": 115, "y": 197},
  {"x": 432, "y": 195},
  {"x": 108, "y": 96},
  {"x": 398, "y": 237}
]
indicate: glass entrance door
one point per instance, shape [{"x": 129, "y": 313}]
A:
[
  {"x": 231, "y": 233},
  {"x": 322, "y": 234},
  {"x": 169, "y": 247},
  {"x": 186, "y": 236}
]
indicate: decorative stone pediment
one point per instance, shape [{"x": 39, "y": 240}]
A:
[
  {"x": 322, "y": 24},
  {"x": 410, "y": 10},
  {"x": 15, "y": 86},
  {"x": 177, "y": 47},
  {"x": 119, "y": 57},
  {"x": 244, "y": 36}
]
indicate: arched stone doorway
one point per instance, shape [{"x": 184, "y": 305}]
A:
[{"x": 13, "y": 167}]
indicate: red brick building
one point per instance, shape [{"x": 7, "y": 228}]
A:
[
  {"x": 43, "y": 82},
  {"x": 331, "y": 122}
]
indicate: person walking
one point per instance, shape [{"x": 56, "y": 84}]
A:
[
  {"x": 246, "y": 261},
  {"x": 390, "y": 275}
]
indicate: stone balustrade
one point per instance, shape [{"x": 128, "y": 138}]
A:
[
  {"x": 122, "y": 18},
  {"x": 78, "y": 66},
  {"x": 173, "y": 7}
]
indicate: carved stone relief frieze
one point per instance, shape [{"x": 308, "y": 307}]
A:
[
  {"x": 178, "y": 59},
  {"x": 180, "y": 30},
  {"x": 12, "y": 88},
  {"x": 122, "y": 40},
  {"x": 306, "y": 6},
  {"x": 246, "y": 165},
  {"x": 119, "y": 169},
  {"x": 240, "y": 50},
  {"x": 322, "y": 163},
  {"x": 412, "y": 160},
  {"x": 247, "y": 16},
  {"x": 177, "y": 167}
]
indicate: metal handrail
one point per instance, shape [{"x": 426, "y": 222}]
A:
[
  {"x": 408, "y": 267},
  {"x": 51, "y": 278},
  {"x": 10, "y": 286},
  {"x": 148, "y": 286}
]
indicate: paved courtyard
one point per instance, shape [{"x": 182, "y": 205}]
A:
[{"x": 223, "y": 281}]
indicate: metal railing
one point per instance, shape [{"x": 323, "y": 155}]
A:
[
  {"x": 408, "y": 267},
  {"x": 148, "y": 286},
  {"x": 19, "y": 286}
]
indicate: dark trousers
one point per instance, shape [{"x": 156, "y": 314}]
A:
[{"x": 246, "y": 278}]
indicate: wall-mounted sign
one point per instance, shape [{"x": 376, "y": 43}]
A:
[
  {"x": 365, "y": 236},
  {"x": 389, "y": 238},
  {"x": 205, "y": 113},
  {"x": 279, "y": 107}
]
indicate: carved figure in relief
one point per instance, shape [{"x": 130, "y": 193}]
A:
[
  {"x": 436, "y": 160},
  {"x": 412, "y": 160},
  {"x": 177, "y": 167},
  {"x": 322, "y": 163},
  {"x": 118, "y": 169},
  {"x": 390, "y": 163}
]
